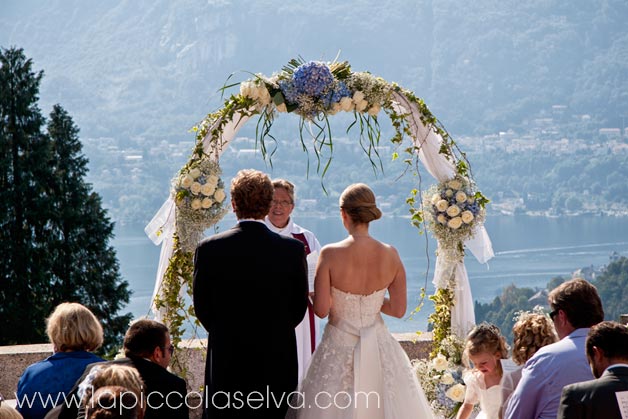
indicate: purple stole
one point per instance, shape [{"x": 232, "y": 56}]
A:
[{"x": 310, "y": 309}]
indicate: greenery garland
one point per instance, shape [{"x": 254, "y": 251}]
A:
[{"x": 315, "y": 91}]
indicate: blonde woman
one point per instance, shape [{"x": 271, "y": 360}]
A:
[
  {"x": 74, "y": 332},
  {"x": 531, "y": 332}
]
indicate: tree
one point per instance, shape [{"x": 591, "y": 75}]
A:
[
  {"x": 54, "y": 231},
  {"x": 611, "y": 285},
  {"x": 85, "y": 267}
]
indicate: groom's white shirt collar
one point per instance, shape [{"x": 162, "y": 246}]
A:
[{"x": 250, "y": 219}]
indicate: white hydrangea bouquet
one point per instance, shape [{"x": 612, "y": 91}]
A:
[
  {"x": 453, "y": 209},
  {"x": 199, "y": 194},
  {"x": 441, "y": 378}
]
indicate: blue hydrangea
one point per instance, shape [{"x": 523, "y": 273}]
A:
[
  {"x": 290, "y": 93},
  {"x": 340, "y": 90},
  {"x": 312, "y": 79}
]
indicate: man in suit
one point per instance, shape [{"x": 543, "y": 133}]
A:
[
  {"x": 148, "y": 348},
  {"x": 576, "y": 306},
  {"x": 607, "y": 351},
  {"x": 250, "y": 291}
]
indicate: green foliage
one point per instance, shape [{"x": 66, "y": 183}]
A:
[
  {"x": 612, "y": 285},
  {"x": 55, "y": 231},
  {"x": 441, "y": 318}
]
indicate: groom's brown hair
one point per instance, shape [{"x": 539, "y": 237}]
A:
[{"x": 251, "y": 193}]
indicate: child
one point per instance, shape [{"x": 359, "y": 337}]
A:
[{"x": 485, "y": 348}]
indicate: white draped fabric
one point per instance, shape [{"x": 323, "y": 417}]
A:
[
  {"x": 429, "y": 142},
  {"x": 162, "y": 226}
]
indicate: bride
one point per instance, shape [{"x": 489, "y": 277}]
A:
[{"x": 359, "y": 370}]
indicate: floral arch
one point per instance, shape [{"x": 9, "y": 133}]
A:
[{"x": 453, "y": 209}]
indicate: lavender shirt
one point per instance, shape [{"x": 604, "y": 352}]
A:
[{"x": 545, "y": 374}]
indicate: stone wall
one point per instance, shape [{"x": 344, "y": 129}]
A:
[{"x": 14, "y": 359}]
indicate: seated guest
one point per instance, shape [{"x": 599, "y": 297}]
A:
[
  {"x": 531, "y": 332},
  {"x": 8, "y": 412},
  {"x": 74, "y": 332},
  {"x": 576, "y": 306},
  {"x": 607, "y": 351},
  {"x": 108, "y": 375},
  {"x": 148, "y": 349},
  {"x": 114, "y": 402}
]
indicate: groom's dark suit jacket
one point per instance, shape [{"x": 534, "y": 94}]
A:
[
  {"x": 596, "y": 398},
  {"x": 250, "y": 292}
]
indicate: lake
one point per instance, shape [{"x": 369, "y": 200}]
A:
[{"x": 529, "y": 251}]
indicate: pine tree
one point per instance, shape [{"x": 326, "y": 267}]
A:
[{"x": 54, "y": 232}]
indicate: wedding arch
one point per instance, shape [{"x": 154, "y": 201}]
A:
[{"x": 453, "y": 210}]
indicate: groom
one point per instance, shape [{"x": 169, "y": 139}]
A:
[{"x": 250, "y": 292}]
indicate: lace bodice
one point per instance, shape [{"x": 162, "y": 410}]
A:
[{"x": 357, "y": 310}]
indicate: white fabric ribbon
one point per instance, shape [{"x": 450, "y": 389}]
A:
[
  {"x": 367, "y": 369},
  {"x": 162, "y": 227},
  {"x": 429, "y": 142}
]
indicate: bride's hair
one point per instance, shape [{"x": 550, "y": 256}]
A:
[{"x": 358, "y": 201}]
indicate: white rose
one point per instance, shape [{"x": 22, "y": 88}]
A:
[
  {"x": 212, "y": 180},
  {"x": 456, "y": 393},
  {"x": 447, "y": 379},
  {"x": 374, "y": 110},
  {"x": 206, "y": 203},
  {"x": 442, "y": 205},
  {"x": 263, "y": 96},
  {"x": 449, "y": 193},
  {"x": 435, "y": 198},
  {"x": 196, "y": 204},
  {"x": 441, "y": 219},
  {"x": 195, "y": 188},
  {"x": 346, "y": 104},
  {"x": 454, "y": 184},
  {"x": 467, "y": 216},
  {"x": 187, "y": 181},
  {"x": 208, "y": 189},
  {"x": 358, "y": 97},
  {"x": 195, "y": 173},
  {"x": 461, "y": 196},
  {"x": 246, "y": 89},
  {"x": 282, "y": 107},
  {"x": 454, "y": 223},
  {"x": 453, "y": 210},
  {"x": 440, "y": 363},
  {"x": 219, "y": 196},
  {"x": 361, "y": 105}
]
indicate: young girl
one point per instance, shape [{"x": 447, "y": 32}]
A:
[{"x": 485, "y": 348}]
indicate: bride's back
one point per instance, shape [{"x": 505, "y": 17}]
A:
[{"x": 362, "y": 265}]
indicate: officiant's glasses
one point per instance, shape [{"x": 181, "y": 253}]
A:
[{"x": 282, "y": 203}]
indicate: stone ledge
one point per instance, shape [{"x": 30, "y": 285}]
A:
[{"x": 14, "y": 359}]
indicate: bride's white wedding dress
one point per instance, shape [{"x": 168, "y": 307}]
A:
[{"x": 359, "y": 370}]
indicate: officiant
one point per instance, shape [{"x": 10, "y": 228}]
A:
[{"x": 280, "y": 221}]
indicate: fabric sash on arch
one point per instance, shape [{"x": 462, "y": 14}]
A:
[{"x": 367, "y": 369}]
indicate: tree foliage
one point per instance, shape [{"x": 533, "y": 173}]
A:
[{"x": 54, "y": 232}]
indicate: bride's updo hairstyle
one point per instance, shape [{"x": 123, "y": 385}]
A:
[{"x": 358, "y": 201}]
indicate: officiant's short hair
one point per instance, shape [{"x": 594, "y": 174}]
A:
[
  {"x": 286, "y": 186},
  {"x": 252, "y": 193}
]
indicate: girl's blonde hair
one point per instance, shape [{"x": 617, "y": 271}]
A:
[
  {"x": 8, "y": 412},
  {"x": 531, "y": 332},
  {"x": 72, "y": 327},
  {"x": 485, "y": 337}
]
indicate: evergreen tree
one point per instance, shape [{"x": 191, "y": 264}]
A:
[
  {"x": 85, "y": 267},
  {"x": 612, "y": 287},
  {"x": 23, "y": 218},
  {"x": 54, "y": 232}
]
